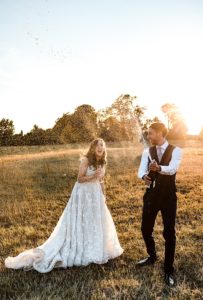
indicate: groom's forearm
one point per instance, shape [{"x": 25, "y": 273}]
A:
[
  {"x": 168, "y": 170},
  {"x": 174, "y": 164},
  {"x": 143, "y": 169}
]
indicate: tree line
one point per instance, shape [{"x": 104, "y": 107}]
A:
[{"x": 124, "y": 120}]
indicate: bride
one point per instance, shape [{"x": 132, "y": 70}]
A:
[{"x": 85, "y": 232}]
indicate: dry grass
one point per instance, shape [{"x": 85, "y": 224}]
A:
[{"x": 34, "y": 189}]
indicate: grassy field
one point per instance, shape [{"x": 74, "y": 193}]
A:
[{"x": 35, "y": 184}]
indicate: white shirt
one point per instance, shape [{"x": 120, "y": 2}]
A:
[{"x": 171, "y": 169}]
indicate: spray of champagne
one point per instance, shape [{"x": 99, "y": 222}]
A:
[{"x": 145, "y": 141}]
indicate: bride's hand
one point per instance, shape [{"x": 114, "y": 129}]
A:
[{"x": 99, "y": 173}]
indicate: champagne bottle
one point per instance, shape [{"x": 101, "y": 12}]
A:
[{"x": 152, "y": 175}]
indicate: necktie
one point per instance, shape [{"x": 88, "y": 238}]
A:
[{"x": 159, "y": 153}]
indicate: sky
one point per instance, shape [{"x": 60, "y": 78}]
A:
[{"x": 58, "y": 54}]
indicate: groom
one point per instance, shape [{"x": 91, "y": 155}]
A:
[{"x": 158, "y": 167}]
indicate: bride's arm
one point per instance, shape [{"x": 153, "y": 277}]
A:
[{"x": 82, "y": 177}]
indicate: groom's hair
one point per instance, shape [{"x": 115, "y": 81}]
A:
[{"x": 159, "y": 127}]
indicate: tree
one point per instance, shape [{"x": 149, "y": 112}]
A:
[
  {"x": 176, "y": 124},
  {"x": 85, "y": 122},
  {"x": 144, "y": 124},
  {"x": 170, "y": 110},
  {"x": 51, "y": 137},
  {"x": 111, "y": 130},
  {"x": 81, "y": 126},
  {"x": 37, "y": 136},
  {"x": 143, "y": 121},
  {"x": 6, "y": 132},
  {"x": 70, "y": 133},
  {"x": 61, "y": 123},
  {"x": 61, "y": 131},
  {"x": 17, "y": 139},
  {"x": 133, "y": 123},
  {"x": 123, "y": 110}
]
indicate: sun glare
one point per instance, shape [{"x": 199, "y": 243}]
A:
[{"x": 193, "y": 117}]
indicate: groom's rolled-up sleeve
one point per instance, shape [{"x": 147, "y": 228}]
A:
[
  {"x": 174, "y": 164},
  {"x": 143, "y": 169}
]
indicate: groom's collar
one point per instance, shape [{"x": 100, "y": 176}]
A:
[{"x": 164, "y": 145}]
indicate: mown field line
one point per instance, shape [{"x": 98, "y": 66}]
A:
[{"x": 47, "y": 154}]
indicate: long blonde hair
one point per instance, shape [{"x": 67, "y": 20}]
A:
[{"x": 92, "y": 157}]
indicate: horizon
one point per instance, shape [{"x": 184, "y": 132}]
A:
[{"x": 161, "y": 117}]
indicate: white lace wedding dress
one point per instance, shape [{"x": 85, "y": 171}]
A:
[{"x": 84, "y": 234}]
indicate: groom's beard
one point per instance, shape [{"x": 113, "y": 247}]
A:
[{"x": 153, "y": 143}]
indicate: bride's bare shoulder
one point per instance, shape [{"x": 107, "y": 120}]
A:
[{"x": 84, "y": 161}]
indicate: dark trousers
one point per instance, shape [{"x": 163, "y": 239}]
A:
[{"x": 166, "y": 202}]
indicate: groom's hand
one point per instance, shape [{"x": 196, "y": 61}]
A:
[
  {"x": 147, "y": 180},
  {"x": 154, "y": 167}
]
